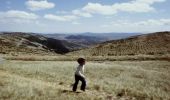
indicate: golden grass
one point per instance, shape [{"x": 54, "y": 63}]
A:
[
  {"x": 148, "y": 44},
  {"x": 89, "y": 58},
  {"x": 116, "y": 80}
]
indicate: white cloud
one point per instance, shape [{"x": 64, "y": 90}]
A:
[
  {"x": 68, "y": 16},
  {"x": 99, "y": 9},
  {"x": 133, "y": 7},
  {"x": 150, "y": 25},
  {"x": 150, "y": 1},
  {"x": 60, "y": 18},
  {"x": 39, "y": 5},
  {"x": 139, "y": 6},
  {"x": 16, "y": 14},
  {"x": 81, "y": 13},
  {"x": 153, "y": 22},
  {"x": 146, "y": 23}
]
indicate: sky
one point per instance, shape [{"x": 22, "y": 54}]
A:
[{"x": 77, "y": 16}]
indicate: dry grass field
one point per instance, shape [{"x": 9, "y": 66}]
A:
[
  {"x": 148, "y": 44},
  {"x": 89, "y": 58},
  {"x": 107, "y": 80}
]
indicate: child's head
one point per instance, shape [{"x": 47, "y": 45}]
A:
[{"x": 81, "y": 61}]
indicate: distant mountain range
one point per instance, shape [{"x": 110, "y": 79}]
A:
[
  {"x": 92, "y": 44},
  {"x": 88, "y": 39},
  {"x": 148, "y": 44}
]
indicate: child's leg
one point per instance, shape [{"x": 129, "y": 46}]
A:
[
  {"x": 76, "y": 83},
  {"x": 83, "y": 85}
]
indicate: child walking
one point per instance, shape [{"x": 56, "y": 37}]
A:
[{"x": 79, "y": 75}]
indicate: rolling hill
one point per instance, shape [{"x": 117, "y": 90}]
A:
[
  {"x": 148, "y": 44},
  {"x": 19, "y": 42}
]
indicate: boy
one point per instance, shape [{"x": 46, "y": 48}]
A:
[{"x": 79, "y": 75}]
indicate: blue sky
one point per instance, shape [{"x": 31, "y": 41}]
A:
[{"x": 69, "y": 16}]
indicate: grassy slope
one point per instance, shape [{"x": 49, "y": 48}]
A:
[
  {"x": 106, "y": 80},
  {"x": 148, "y": 44},
  {"x": 29, "y": 43}
]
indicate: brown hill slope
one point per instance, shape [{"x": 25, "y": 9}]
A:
[
  {"x": 30, "y": 43},
  {"x": 149, "y": 44}
]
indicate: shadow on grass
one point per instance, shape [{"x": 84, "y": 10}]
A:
[{"x": 69, "y": 91}]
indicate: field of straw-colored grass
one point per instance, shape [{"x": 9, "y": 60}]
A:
[
  {"x": 106, "y": 80},
  {"x": 89, "y": 58}
]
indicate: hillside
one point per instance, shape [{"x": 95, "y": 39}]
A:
[
  {"x": 88, "y": 39},
  {"x": 149, "y": 44},
  {"x": 18, "y": 42}
]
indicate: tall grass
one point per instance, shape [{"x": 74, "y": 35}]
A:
[{"x": 33, "y": 80}]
